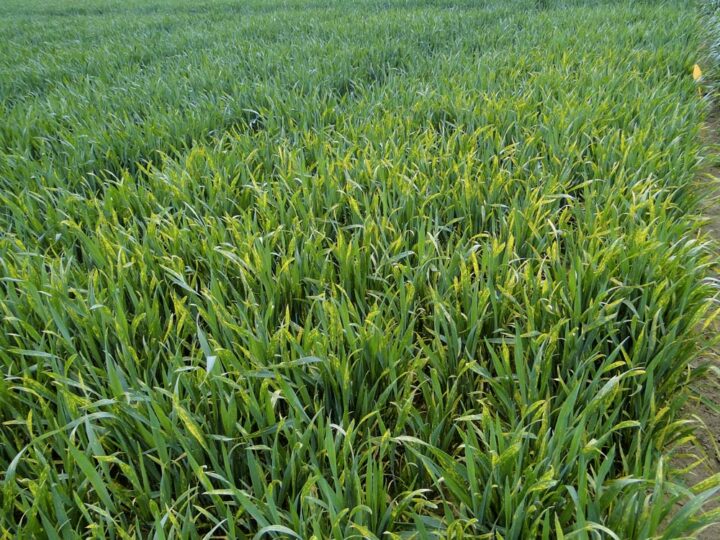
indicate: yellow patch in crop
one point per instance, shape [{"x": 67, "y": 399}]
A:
[{"x": 697, "y": 72}]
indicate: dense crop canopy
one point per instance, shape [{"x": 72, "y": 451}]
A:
[{"x": 373, "y": 269}]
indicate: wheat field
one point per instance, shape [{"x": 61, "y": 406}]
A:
[{"x": 326, "y": 269}]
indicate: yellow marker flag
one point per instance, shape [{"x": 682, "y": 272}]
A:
[{"x": 697, "y": 72}]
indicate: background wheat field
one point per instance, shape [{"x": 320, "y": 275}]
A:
[{"x": 333, "y": 269}]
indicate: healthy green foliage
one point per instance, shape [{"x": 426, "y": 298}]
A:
[{"x": 373, "y": 269}]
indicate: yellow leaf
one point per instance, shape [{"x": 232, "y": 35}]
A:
[
  {"x": 190, "y": 424},
  {"x": 697, "y": 72}
]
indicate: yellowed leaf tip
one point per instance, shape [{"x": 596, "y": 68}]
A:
[{"x": 697, "y": 72}]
